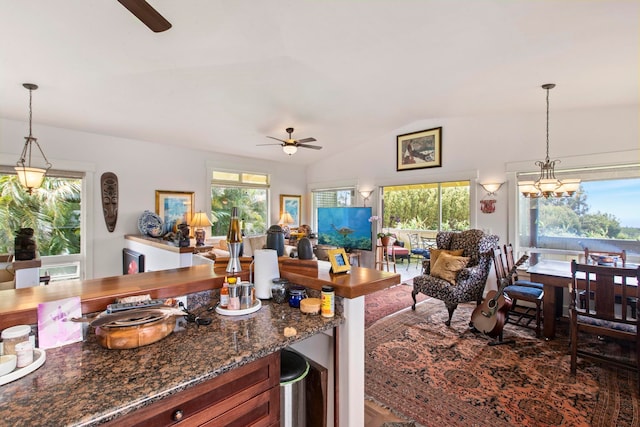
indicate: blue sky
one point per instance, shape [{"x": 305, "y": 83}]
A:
[{"x": 619, "y": 197}]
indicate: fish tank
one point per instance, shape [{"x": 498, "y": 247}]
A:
[{"x": 345, "y": 227}]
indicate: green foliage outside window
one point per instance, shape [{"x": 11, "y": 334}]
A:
[
  {"x": 418, "y": 207},
  {"x": 252, "y": 208},
  {"x": 53, "y": 212}
]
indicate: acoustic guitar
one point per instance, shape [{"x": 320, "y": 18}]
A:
[{"x": 490, "y": 316}]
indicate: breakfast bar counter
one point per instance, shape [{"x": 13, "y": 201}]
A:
[{"x": 84, "y": 384}]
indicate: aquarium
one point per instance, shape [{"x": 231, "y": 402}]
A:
[{"x": 347, "y": 228}]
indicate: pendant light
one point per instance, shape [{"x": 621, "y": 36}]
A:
[
  {"x": 547, "y": 185},
  {"x": 31, "y": 177}
]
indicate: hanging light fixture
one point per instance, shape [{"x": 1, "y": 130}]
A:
[
  {"x": 30, "y": 177},
  {"x": 547, "y": 184}
]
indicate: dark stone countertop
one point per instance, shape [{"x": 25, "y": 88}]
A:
[{"x": 84, "y": 384}]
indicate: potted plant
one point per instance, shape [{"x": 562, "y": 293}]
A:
[{"x": 387, "y": 239}]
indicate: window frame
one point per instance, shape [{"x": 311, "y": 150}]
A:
[{"x": 570, "y": 165}]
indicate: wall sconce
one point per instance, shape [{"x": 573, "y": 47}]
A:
[
  {"x": 366, "y": 194},
  {"x": 491, "y": 188},
  {"x": 488, "y": 206}
]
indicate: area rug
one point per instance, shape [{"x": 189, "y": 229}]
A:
[
  {"x": 438, "y": 375},
  {"x": 388, "y": 301}
]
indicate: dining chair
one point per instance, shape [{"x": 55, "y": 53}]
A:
[
  {"x": 519, "y": 314},
  {"x": 508, "y": 254},
  {"x": 607, "y": 258},
  {"x": 603, "y": 318},
  {"x": 417, "y": 251}
]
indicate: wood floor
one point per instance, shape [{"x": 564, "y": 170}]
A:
[{"x": 375, "y": 415}]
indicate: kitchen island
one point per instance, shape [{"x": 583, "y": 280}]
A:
[{"x": 85, "y": 384}]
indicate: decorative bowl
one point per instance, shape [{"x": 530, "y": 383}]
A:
[
  {"x": 150, "y": 224},
  {"x": 604, "y": 260},
  {"x": 7, "y": 364}
]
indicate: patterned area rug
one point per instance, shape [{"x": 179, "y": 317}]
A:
[
  {"x": 388, "y": 301},
  {"x": 439, "y": 376}
]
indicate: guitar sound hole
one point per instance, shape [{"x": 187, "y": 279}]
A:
[{"x": 492, "y": 304}]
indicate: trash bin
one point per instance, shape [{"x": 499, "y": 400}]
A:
[{"x": 293, "y": 369}]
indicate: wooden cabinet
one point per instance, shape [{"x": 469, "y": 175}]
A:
[{"x": 245, "y": 396}]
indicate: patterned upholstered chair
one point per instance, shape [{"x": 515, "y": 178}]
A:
[{"x": 470, "y": 281}]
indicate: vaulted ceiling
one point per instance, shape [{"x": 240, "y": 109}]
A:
[{"x": 229, "y": 73}]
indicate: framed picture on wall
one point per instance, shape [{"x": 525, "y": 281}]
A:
[
  {"x": 132, "y": 262},
  {"x": 419, "y": 150},
  {"x": 174, "y": 207},
  {"x": 291, "y": 204}
]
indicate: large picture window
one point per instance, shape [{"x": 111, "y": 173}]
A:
[
  {"x": 249, "y": 192},
  {"x": 53, "y": 212},
  {"x": 430, "y": 206},
  {"x": 601, "y": 216}
]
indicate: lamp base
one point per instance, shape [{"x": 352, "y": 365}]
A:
[{"x": 200, "y": 234}]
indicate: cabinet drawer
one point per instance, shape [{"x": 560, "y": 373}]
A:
[
  {"x": 212, "y": 398},
  {"x": 260, "y": 411}
]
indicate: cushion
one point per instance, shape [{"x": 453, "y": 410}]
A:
[
  {"x": 448, "y": 266},
  {"x": 435, "y": 253},
  {"x": 253, "y": 243},
  {"x": 222, "y": 244}
]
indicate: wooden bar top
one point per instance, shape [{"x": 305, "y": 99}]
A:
[{"x": 19, "y": 306}]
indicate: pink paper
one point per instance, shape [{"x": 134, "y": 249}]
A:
[{"x": 55, "y": 327}]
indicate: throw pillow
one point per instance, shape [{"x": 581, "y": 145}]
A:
[
  {"x": 222, "y": 244},
  {"x": 435, "y": 253},
  {"x": 448, "y": 266}
]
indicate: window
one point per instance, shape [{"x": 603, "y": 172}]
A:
[
  {"x": 430, "y": 206},
  {"x": 249, "y": 192},
  {"x": 53, "y": 212},
  {"x": 602, "y": 216},
  {"x": 331, "y": 198}
]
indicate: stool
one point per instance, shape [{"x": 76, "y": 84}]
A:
[{"x": 293, "y": 369}]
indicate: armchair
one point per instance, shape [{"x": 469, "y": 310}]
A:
[{"x": 470, "y": 281}]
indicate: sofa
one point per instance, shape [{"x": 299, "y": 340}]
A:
[{"x": 250, "y": 244}]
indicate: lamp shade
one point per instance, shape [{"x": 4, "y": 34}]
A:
[
  {"x": 286, "y": 219},
  {"x": 200, "y": 219},
  {"x": 30, "y": 178},
  {"x": 290, "y": 149}
]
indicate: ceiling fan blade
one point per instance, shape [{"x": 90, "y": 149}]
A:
[
  {"x": 147, "y": 14},
  {"x": 313, "y": 147},
  {"x": 269, "y": 144},
  {"x": 277, "y": 139},
  {"x": 303, "y": 140}
]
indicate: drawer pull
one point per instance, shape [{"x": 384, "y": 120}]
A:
[{"x": 178, "y": 415}]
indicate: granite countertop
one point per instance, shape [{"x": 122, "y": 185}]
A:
[{"x": 84, "y": 384}]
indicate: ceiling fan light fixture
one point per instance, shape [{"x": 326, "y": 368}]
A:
[
  {"x": 289, "y": 149},
  {"x": 31, "y": 177}
]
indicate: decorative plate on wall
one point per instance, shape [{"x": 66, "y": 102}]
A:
[{"x": 150, "y": 224}]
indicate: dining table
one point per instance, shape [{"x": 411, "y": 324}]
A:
[{"x": 555, "y": 276}]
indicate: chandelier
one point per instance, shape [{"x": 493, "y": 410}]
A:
[
  {"x": 30, "y": 177},
  {"x": 547, "y": 185}
]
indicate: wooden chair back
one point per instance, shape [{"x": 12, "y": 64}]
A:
[
  {"x": 605, "y": 318},
  {"x": 508, "y": 254},
  {"x": 499, "y": 265},
  {"x": 592, "y": 257},
  {"x": 605, "y": 282}
]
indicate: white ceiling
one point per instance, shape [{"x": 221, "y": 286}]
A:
[{"x": 230, "y": 72}]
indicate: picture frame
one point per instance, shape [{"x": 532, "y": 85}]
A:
[
  {"x": 132, "y": 262},
  {"x": 174, "y": 207},
  {"x": 419, "y": 150},
  {"x": 292, "y": 204},
  {"x": 339, "y": 260}
]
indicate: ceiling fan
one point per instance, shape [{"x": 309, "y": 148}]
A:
[
  {"x": 147, "y": 14},
  {"x": 290, "y": 145}
]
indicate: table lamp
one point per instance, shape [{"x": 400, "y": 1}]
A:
[
  {"x": 284, "y": 222},
  {"x": 199, "y": 220}
]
